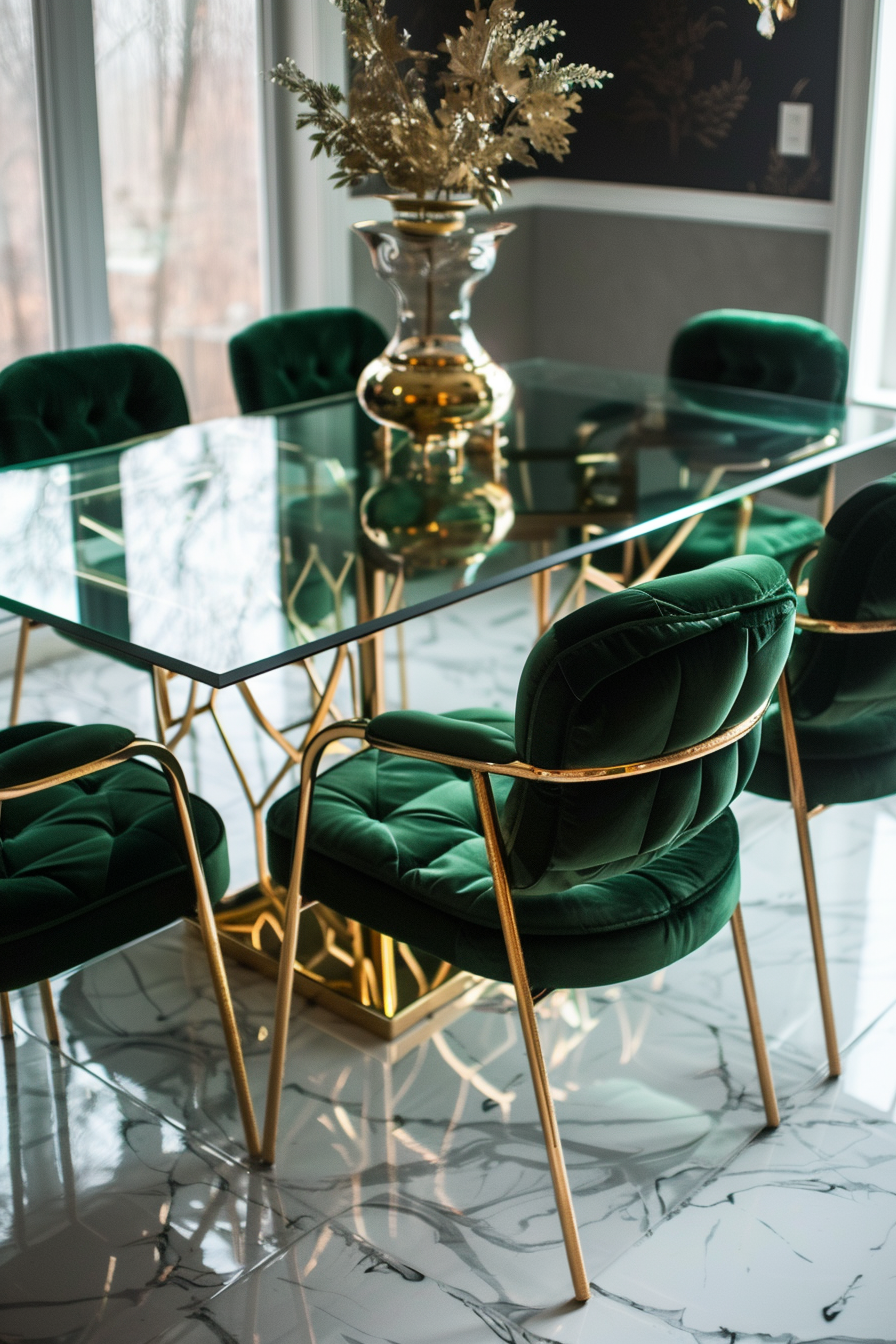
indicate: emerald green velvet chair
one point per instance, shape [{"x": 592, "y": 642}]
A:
[
  {"x": 302, "y": 356},
  {"x": 295, "y": 357},
  {"x": 96, "y": 397},
  {"x": 73, "y": 400},
  {"x": 760, "y": 352},
  {"x": 98, "y": 849},
  {"x": 831, "y": 738},
  {"x": 586, "y": 840}
]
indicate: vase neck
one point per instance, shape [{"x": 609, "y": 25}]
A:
[{"x": 433, "y": 276}]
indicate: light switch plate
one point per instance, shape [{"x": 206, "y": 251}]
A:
[{"x": 795, "y": 130}]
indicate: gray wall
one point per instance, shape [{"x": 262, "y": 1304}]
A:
[{"x": 612, "y": 290}]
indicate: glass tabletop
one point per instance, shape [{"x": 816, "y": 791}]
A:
[{"x": 227, "y": 548}]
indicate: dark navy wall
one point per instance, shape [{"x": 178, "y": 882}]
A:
[{"x": 695, "y": 94}]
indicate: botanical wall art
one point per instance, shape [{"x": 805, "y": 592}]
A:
[{"x": 696, "y": 94}]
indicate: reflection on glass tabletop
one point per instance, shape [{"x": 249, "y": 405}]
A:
[{"x": 227, "y": 548}]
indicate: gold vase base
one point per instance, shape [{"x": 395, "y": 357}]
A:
[{"x": 362, "y": 976}]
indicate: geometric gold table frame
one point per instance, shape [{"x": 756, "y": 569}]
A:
[{"x": 363, "y": 976}]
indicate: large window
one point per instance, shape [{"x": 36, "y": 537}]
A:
[
  {"x": 874, "y": 347},
  {"x": 24, "y": 309},
  {"x": 177, "y": 97}
]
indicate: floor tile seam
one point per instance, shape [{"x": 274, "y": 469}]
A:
[
  {"x": 195, "y": 1139},
  {"x": 788, "y": 1116},
  {"x": 245, "y": 1275},
  {"x": 741, "y": 1033},
  {"x": 367, "y": 1245},
  {"x": 801, "y": 1099}
]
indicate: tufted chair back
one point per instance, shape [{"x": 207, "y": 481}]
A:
[
  {"x": 638, "y": 674},
  {"x": 300, "y": 356},
  {"x": 95, "y": 397},
  {"x": 762, "y": 352},
  {"x": 853, "y": 578}
]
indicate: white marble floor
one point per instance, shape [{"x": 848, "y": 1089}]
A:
[{"x": 411, "y": 1201}]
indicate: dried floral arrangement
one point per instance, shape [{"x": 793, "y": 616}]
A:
[{"x": 448, "y": 133}]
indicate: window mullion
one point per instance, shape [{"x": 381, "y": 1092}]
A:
[{"x": 70, "y": 167}]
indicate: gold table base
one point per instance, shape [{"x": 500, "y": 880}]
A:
[{"x": 363, "y": 976}]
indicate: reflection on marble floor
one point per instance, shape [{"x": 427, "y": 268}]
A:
[{"x": 411, "y": 1201}]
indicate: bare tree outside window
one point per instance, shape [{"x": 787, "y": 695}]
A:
[
  {"x": 24, "y": 309},
  {"x": 176, "y": 88}
]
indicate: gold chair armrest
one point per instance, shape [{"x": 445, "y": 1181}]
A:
[{"x": 819, "y": 626}]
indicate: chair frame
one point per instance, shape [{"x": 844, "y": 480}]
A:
[
  {"x": 801, "y": 814},
  {"x": 181, "y": 798},
  {"x": 480, "y": 772},
  {"x": 588, "y": 573}
]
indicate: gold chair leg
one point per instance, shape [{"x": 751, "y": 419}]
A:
[
  {"x": 51, "y": 1022},
  {"x": 742, "y": 528},
  {"x": 760, "y": 1049},
  {"x": 828, "y": 497},
  {"x": 800, "y": 816},
  {"x": 286, "y": 972},
  {"x": 402, "y": 668},
  {"x": 19, "y": 674},
  {"x": 628, "y": 561},
  {"x": 6, "y": 1023},
  {"x": 208, "y": 928},
  {"x": 486, "y": 804}
]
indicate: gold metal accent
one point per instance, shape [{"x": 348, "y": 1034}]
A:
[
  {"x": 25, "y": 627},
  {"x": 171, "y": 728},
  {"x": 585, "y": 775},
  {"x": 760, "y": 1049},
  {"x": 819, "y": 626},
  {"x": 6, "y": 1022},
  {"x": 684, "y": 530},
  {"x": 742, "y": 528},
  {"x": 180, "y": 796},
  {"x": 801, "y": 813},
  {"x": 384, "y": 960},
  {"x": 310, "y": 761},
  {"x": 480, "y": 772},
  {"x": 828, "y": 497},
  {"x": 798, "y": 802},
  {"x": 799, "y": 564},
  {"x": 292, "y": 754},
  {"x": 48, "y": 1007},
  {"x": 485, "y": 801},
  {"x": 356, "y": 1006},
  {"x": 421, "y": 216}
]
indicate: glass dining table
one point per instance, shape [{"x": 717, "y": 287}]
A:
[{"x": 223, "y": 550}]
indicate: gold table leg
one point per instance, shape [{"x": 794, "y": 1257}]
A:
[
  {"x": 353, "y": 971},
  {"x": 801, "y": 818}
]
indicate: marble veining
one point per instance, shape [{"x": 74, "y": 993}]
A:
[{"x": 411, "y": 1201}]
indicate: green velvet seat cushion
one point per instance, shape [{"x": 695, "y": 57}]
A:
[
  {"x": 763, "y": 352},
  {"x": 72, "y": 400},
  {"x": 843, "y": 687},
  {"x": 93, "y": 864},
  {"x": 774, "y": 532},
  {"x": 295, "y": 357},
  {"x": 842, "y": 762},
  {"x": 396, "y": 843}
]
